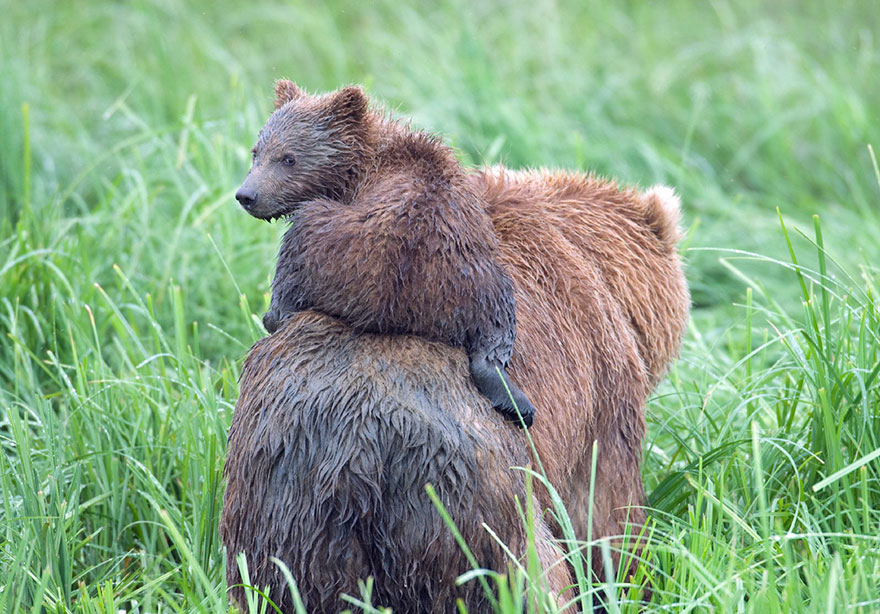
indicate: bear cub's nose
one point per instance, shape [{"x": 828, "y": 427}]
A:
[{"x": 246, "y": 197}]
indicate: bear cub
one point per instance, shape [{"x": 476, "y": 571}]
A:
[{"x": 386, "y": 233}]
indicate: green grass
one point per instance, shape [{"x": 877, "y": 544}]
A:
[{"x": 129, "y": 278}]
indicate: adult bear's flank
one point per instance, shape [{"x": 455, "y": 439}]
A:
[{"x": 387, "y": 233}]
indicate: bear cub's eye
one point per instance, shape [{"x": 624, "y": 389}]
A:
[{"x": 288, "y": 160}]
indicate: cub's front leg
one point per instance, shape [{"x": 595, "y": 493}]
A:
[
  {"x": 284, "y": 303},
  {"x": 287, "y": 295},
  {"x": 490, "y": 343},
  {"x": 317, "y": 263}
]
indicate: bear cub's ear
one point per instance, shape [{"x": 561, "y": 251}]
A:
[
  {"x": 285, "y": 91},
  {"x": 349, "y": 104}
]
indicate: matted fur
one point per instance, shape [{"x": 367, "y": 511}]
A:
[
  {"x": 335, "y": 434},
  {"x": 386, "y": 232},
  {"x": 602, "y": 304}
]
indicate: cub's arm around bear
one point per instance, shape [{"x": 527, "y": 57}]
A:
[{"x": 386, "y": 233}]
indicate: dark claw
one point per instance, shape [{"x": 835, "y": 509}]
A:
[
  {"x": 490, "y": 385},
  {"x": 526, "y": 409}
]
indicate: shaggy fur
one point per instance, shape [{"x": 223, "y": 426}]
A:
[
  {"x": 335, "y": 434},
  {"x": 602, "y": 304},
  {"x": 386, "y": 233}
]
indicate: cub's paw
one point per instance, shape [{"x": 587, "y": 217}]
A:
[
  {"x": 505, "y": 406},
  {"x": 486, "y": 377},
  {"x": 526, "y": 410},
  {"x": 270, "y": 322}
]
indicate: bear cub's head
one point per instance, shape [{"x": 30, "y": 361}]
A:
[{"x": 312, "y": 147}]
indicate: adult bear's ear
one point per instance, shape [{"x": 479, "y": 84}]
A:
[
  {"x": 349, "y": 104},
  {"x": 285, "y": 91}
]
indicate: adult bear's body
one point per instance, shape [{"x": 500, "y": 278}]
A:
[{"x": 335, "y": 434}]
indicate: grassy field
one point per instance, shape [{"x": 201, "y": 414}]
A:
[{"x": 131, "y": 282}]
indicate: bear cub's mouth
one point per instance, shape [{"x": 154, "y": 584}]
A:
[{"x": 286, "y": 215}]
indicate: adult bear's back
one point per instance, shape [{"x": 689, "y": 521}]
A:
[
  {"x": 601, "y": 306},
  {"x": 333, "y": 439}
]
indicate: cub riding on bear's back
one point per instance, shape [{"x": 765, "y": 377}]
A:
[
  {"x": 336, "y": 432},
  {"x": 387, "y": 233}
]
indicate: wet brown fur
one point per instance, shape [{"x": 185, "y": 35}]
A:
[
  {"x": 602, "y": 304},
  {"x": 387, "y": 232},
  {"x": 335, "y": 433},
  {"x": 334, "y": 436}
]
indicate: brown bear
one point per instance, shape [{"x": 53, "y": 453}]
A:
[
  {"x": 386, "y": 233},
  {"x": 602, "y": 304},
  {"x": 335, "y": 433}
]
